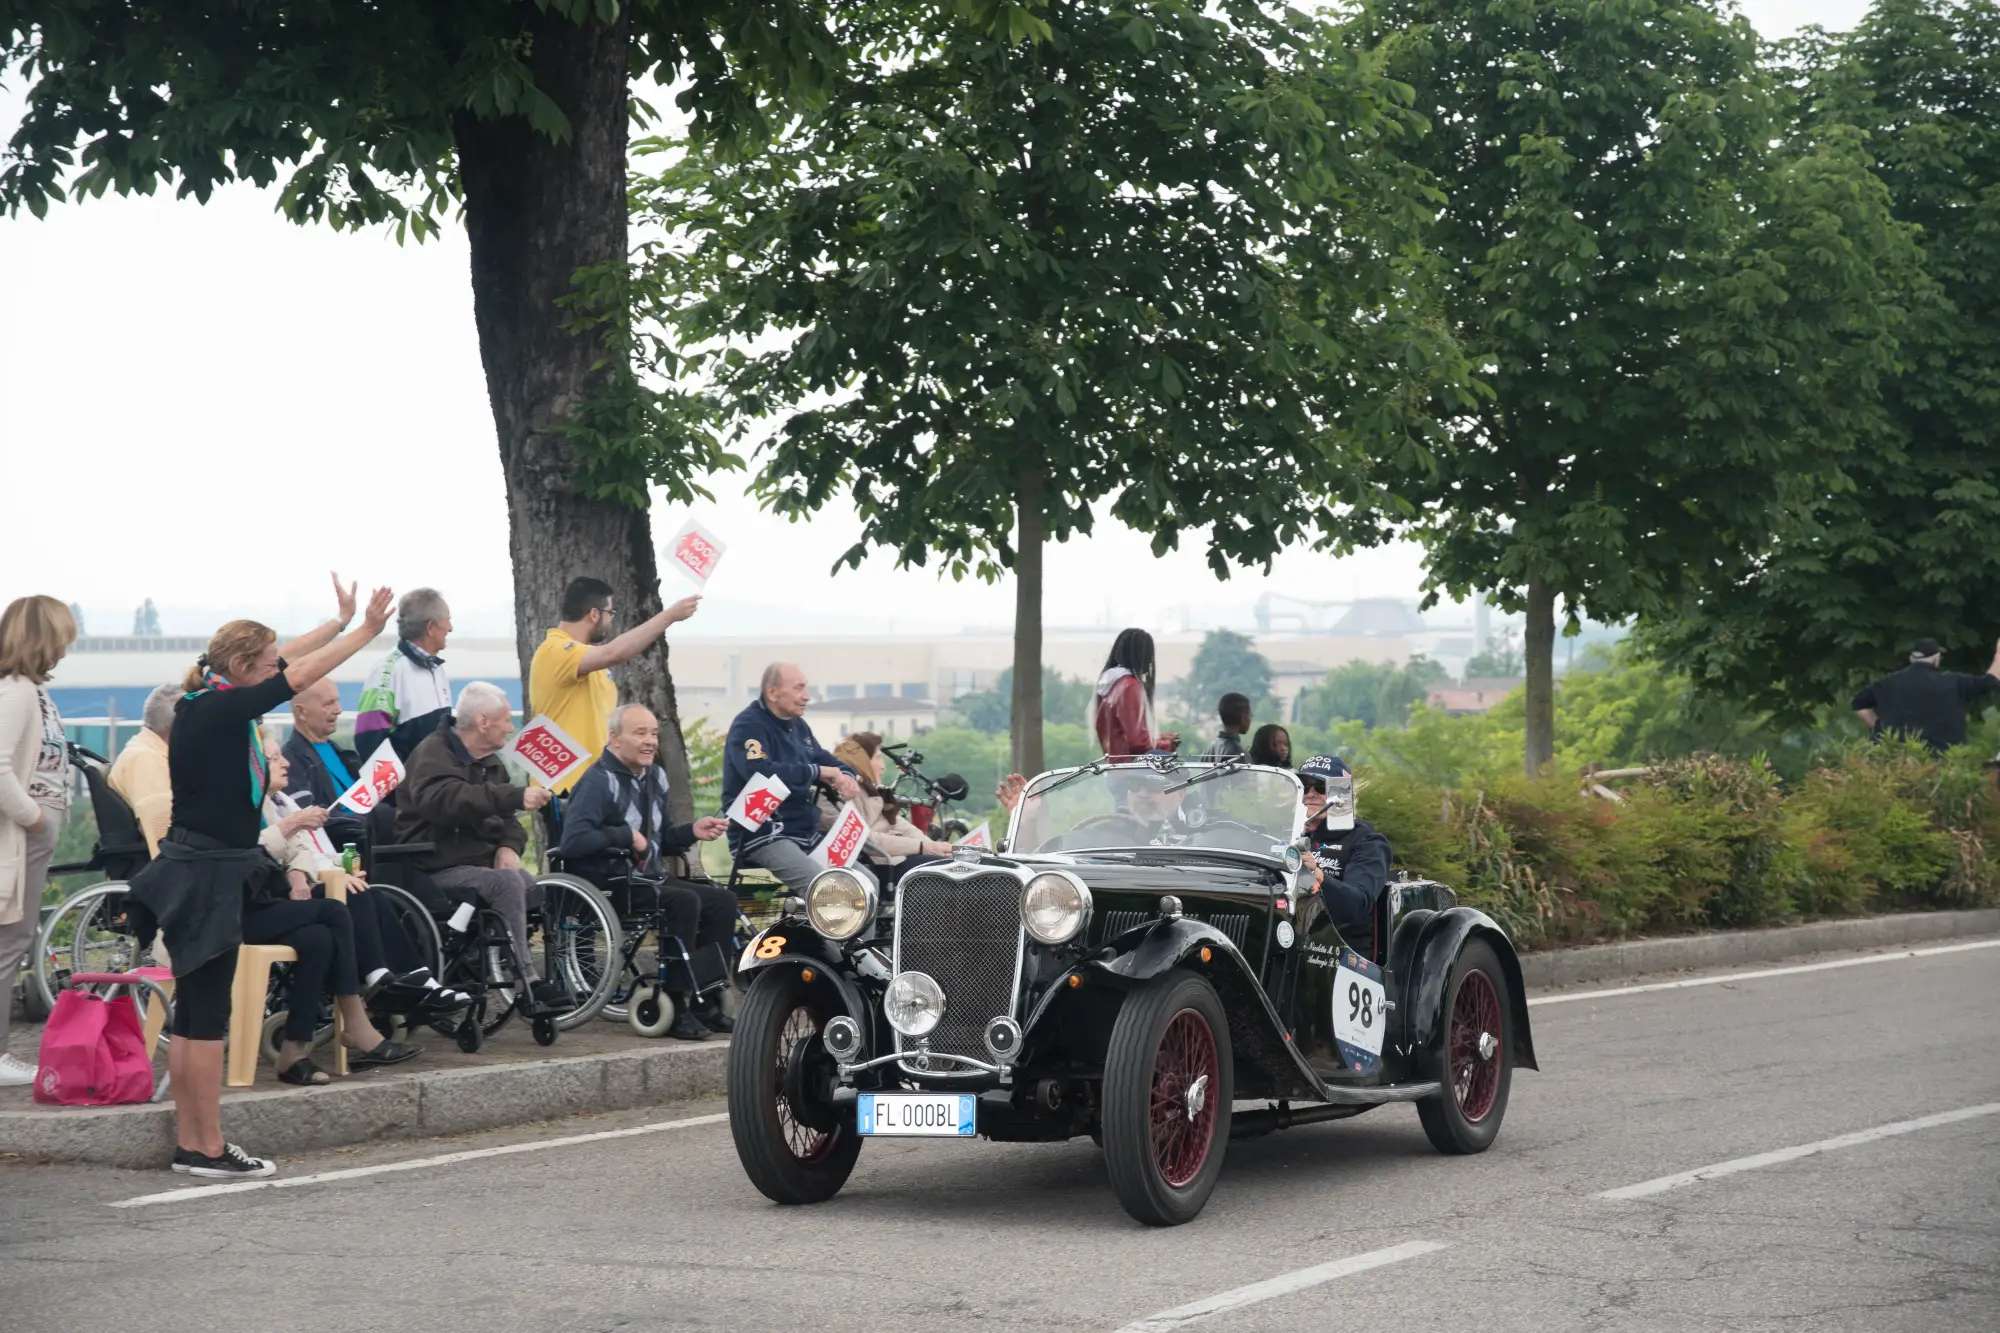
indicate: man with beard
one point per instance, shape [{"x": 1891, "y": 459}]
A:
[{"x": 569, "y": 678}]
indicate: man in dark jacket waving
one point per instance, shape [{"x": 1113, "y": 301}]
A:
[
  {"x": 615, "y": 823},
  {"x": 459, "y": 797},
  {"x": 770, "y": 738}
]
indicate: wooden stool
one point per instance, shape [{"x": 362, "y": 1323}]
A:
[{"x": 253, "y": 983}]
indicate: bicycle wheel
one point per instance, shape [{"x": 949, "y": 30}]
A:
[
  {"x": 580, "y": 942},
  {"x": 88, "y": 933}
]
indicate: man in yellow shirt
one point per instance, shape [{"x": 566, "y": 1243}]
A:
[
  {"x": 569, "y": 678},
  {"x": 140, "y": 772}
]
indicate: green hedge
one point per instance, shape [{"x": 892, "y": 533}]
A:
[{"x": 1702, "y": 842}]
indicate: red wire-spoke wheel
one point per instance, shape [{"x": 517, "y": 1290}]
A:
[
  {"x": 1475, "y": 1057},
  {"x": 1168, "y": 1085},
  {"x": 1183, "y": 1113},
  {"x": 795, "y": 1144},
  {"x": 1476, "y": 1037}
]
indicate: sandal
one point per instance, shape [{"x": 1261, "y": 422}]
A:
[
  {"x": 386, "y": 1053},
  {"x": 303, "y": 1074}
]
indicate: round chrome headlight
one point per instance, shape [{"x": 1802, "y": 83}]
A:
[
  {"x": 914, "y": 1004},
  {"x": 841, "y": 903},
  {"x": 1055, "y": 907}
]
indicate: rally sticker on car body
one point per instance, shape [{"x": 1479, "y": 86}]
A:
[{"x": 1359, "y": 1014}]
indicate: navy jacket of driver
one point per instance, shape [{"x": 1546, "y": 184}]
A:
[
  {"x": 1356, "y": 862},
  {"x": 763, "y": 744}
]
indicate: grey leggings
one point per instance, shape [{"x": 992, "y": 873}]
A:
[{"x": 17, "y": 937}]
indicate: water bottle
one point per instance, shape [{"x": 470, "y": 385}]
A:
[{"x": 349, "y": 859}]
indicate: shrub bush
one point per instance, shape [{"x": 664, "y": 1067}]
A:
[{"x": 1701, "y": 841}]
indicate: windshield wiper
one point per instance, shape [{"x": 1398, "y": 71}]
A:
[
  {"x": 1092, "y": 768},
  {"x": 1229, "y": 765}
]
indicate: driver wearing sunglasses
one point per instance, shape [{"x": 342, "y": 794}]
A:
[{"x": 1350, "y": 864}]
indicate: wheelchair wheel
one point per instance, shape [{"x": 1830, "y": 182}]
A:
[
  {"x": 545, "y": 1031},
  {"x": 470, "y": 1035},
  {"x": 417, "y": 923},
  {"x": 88, "y": 933},
  {"x": 652, "y": 1011},
  {"x": 582, "y": 943}
]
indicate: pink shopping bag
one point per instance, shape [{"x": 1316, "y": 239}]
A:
[{"x": 93, "y": 1053}]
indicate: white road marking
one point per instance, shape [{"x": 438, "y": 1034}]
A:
[
  {"x": 1664, "y": 1183},
  {"x": 412, "y": 1164},
  {"x": 1282, "y": 1285},
  {"x": 1763, "y": 972}
]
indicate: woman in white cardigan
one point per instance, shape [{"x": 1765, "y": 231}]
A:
[{"x": 35, "y": 632}]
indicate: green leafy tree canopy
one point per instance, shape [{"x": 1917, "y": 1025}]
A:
[
  {"x": 1899, "y": 543},
  {"x": 1674, "y": 319},
  {"x": 1150, "y": 263}
]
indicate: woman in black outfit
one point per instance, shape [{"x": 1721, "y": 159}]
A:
[{"x": 210, "y": 865}]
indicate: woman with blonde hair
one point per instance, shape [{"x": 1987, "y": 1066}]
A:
[
  {"x": 890, "y": 832},
  {"x": 210, "y": 862},
  {"x": 35, "y": 632}
]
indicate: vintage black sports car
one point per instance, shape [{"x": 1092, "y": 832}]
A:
[{"x": 1149, "y": 954}]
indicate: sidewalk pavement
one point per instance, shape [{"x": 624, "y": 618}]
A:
[{"x": 604, "y": 1066}]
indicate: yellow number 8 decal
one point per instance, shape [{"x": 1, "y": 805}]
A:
[{"x": 770, "y": 946}]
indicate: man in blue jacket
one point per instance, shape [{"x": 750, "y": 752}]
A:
[{"x": 770, "y": 738}]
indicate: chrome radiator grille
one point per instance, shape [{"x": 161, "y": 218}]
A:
[{"x": 966, "y": 934}]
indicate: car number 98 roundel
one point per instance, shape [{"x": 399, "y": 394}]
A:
[{"x": 1359, "y": 1015}]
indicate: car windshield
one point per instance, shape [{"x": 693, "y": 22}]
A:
[{"x": 1241, "y": 809}]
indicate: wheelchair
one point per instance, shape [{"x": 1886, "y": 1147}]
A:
[
  {"x": 88, "y": 931},
  {"x": 644, "y": 981},
  {"x": 570, "y": 923}
]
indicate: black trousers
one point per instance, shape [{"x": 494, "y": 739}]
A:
[
  {"x": 201, "y": 999},
  {"x": 379, "y": 938},
  {"x": 698, "y": 913},
  {"x": 322, "y": 932}
]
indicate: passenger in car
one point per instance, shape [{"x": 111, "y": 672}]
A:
[{"x": 1350, "y": 866}]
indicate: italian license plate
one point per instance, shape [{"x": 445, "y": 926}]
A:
[{"x": 917, "y": 1114}]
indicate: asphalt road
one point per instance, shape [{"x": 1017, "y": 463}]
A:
[{"x": 659, "y": 1230}]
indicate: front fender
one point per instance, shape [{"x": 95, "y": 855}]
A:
[
  {"x": 1262, "y": 1042},
  {"x": 1161, "y": 948},
  {"x": 800, "y": 947},
  {"x": 1438, "y": 937}
]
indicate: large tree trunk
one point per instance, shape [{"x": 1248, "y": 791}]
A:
[
  {"x": 1030, "y": 538},
  {"x": 1540, "y": 665},
  {"x": 537, "y": 211}
]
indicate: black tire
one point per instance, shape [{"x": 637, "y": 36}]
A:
[
  {"x": 545, "y": 1031},
  {"x": 1466, "y": 1117},
  {"x": 794, "y": 1150},
  {"x": 1164, "y": 1181},
  {"x": 470, "y": 1036}
]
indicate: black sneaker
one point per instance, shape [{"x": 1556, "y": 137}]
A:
[
  {"x": 689, "y": 1028},
  {"x": 714, "y": 1019},
  {"x": 233, "y": 1164}
]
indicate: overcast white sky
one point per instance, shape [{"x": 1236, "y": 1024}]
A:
[{"x": 301, "y": 388}]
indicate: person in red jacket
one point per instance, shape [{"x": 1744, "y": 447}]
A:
[{"x": 1121, "y": 709}]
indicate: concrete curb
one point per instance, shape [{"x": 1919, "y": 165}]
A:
[
  {"x": 368, "y": 1110},
  {"x": 1607, "y": 962},
  {"x": 421, "y": 1105}
]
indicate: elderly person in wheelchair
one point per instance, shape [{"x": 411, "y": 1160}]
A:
[
  {"x": 616, "y": 833},
  {"x": 459, "y": 798}
]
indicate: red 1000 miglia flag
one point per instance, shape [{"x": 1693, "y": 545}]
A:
[{"x": 550, "y": 753}]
